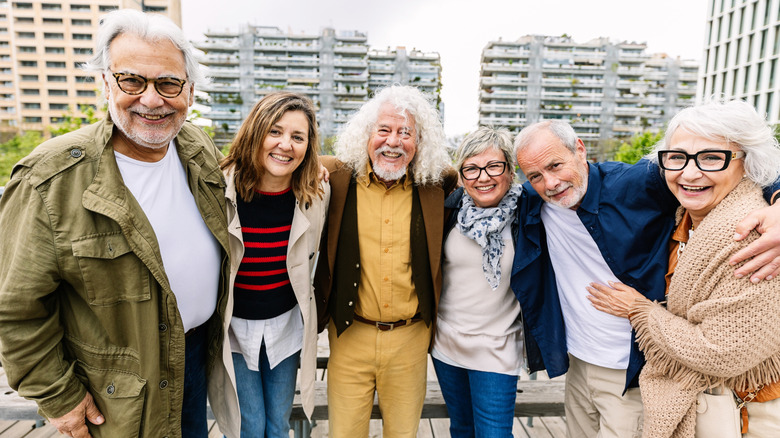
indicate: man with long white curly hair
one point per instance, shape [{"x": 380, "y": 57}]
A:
[{"x": 379, "y": 276}]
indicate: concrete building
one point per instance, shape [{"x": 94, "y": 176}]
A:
[
  {"x": 336, "y": 69},
  {"x": 607, "y": 90},
  {"x": 742, "y": 48},
  {"x": 42, "y": 45}
]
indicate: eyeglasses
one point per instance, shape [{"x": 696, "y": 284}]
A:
[
  {"x": 133, "y": 84},
  {"x": 495, "y": 168},
  {"x": 707, "y": 161}
]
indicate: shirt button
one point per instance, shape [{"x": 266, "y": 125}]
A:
[
  {"x": 387, "y": 250},
  {"x": 163, "y": 384},
  {"x": 349, "y": 304},
  {"x": 386, "y": 278},
  {"x": 387, "y": 221},
  {"x": 163, "y": 327},
  {"x": 385, "y": 305},
  {"x": 110, "y": 390}
]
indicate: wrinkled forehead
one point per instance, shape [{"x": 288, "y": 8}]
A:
[{"x": 390, "y": 114}]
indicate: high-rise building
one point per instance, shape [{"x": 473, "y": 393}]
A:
[
  {"x": 336, "y": 69},
  {"x": 606, "y": 90},
  {"x": 42, "y": 44},
  {"x": 742, "y": 48}
]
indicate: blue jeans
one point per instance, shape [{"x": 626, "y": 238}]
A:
[
  {"x": 480, "y": 404},
  {"x": 266, "y": 396},
  {"x": 193, "y": 412}
]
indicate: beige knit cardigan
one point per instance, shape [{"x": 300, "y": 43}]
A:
[{"x": 716, "y": 329}]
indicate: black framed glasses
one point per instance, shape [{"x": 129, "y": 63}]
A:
[
  {"x": 494, "y": 168},
  {"x": 133, "y": 84},
  {"x": 708, "y": 160}
]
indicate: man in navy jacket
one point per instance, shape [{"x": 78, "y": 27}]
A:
[{"x": 580, "y": 223}]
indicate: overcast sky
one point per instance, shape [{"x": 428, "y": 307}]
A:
[{"x": 460, "y": 29}]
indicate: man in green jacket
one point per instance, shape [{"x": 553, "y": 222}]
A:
[{"x": 113, "y": 252}]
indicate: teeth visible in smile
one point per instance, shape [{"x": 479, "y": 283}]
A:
[
  {"x": 391, "y": 154},
  {"x": 153, "y": 116},
  {"x": 485, "y": 188},
  {"x": 693, "y": 189},
  {"x": 281, "y": 157}
]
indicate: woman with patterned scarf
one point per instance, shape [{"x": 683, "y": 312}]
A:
[
  {"x": 477, "y": 348},
  {"x": 717, "y": 331}
]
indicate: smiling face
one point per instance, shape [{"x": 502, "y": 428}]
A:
[
  {"x": 393, "y": 144},
  {"x": 146, "y": 122},
  {"x": 487, "y": 191},
  {"x": 699, "y": 192},
  {"x": 284, "y": 148},
  {"x": 559, "y": 176}
]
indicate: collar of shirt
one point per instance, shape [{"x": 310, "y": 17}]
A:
[
  {"x": 682, "y": 232},
  {"x": 370, "y": 177}
]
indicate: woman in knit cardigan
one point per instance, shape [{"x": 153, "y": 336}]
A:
[{"x": 716, "y": 329}]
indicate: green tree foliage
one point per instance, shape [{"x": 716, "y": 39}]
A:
[
  {"x": 71, "y": 122},
  {"x": 14, "y": 150},
  {"x": 639, "y": 146}
]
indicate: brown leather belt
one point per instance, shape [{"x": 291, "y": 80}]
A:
[{"x": 386, "y": 326}]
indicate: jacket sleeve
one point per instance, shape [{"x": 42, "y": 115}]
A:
[{"x": 30, "y": 329}]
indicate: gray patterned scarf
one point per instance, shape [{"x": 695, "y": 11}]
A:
[{"x": 484, "y": 226}]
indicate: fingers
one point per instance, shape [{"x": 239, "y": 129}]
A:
[
  {"x": 744, "y": 226},
  {"x": 763, "y": 259},
  {"x": 92, "y": 413}
]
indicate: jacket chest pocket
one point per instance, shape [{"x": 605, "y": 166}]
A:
[{"x": 112, "y": 273}]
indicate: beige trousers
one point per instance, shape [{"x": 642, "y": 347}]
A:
[
  {"x": 595, "y": 405},
  {"x": 393, "y": 363},
  {"x": 763, "y": 419}
]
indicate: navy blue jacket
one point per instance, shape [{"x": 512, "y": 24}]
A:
[{"x": 629, "y": 212}]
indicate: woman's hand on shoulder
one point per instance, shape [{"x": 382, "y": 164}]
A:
[
  {"x": 762, "y": 255},
  {"x": 615, "y": 299}
]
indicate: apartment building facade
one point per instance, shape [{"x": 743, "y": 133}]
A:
[
  {"x": 336, "y": 69},
  {"x": 741, "y": 52},
  {"x": 42, "y": 45},
  {"x": 607, "y": 90}
]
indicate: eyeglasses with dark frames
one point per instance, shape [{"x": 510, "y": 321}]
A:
[
  {"x": 713, "y": 160},
  {"x": 494, "y": 168},
  {"x": 133, "y": 84}
]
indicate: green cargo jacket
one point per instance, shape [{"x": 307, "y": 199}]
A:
[{"x": 85, "y": 304}]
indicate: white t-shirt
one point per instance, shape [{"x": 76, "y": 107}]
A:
[
  {"x": 591, "y": 335},
  {"x": 191, "y": 255}
]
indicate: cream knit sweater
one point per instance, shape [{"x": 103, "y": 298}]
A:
[{"x": 716, "y": 329}]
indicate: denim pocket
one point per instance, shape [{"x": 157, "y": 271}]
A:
[{"x": 112, "y": 272}]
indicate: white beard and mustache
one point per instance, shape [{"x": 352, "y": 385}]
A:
[{"x": 384, "y": 173}]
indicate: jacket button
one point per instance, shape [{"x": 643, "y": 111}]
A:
[
  {"x": 354, "y": 284},
  {"x": 163, "y": 384},
  {"x": 349, "y": 304},
  {"x": 163, "y": 327},
  {"x": 110, "y": 390},
  {"x": 347, "y": 322},
  {"x": 358, "y": 265},
  {"x": 75, "y": 153}
]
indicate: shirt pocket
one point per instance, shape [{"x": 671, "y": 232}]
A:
[{"x": 112, "y": 273}]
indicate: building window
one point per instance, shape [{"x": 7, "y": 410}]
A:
[
  {"x": 158, "y": 9},
  {"x": 80, "y": 22},
  {"x": 56, "y": 120},
  {"x": 83, "y": 93},
  {"x": 55, "y": 64},
  {"x": 84, "y": 79},
  {"x": 22, "y": 5},
  {"x": 57, "y": 78},
  {"x": 80, "y": 8},
  {"x": 82, "y": 36},
  {"x": 55, "y": 50},
  {"x": 53, "y": 35},
  {"x": 51, "y": 7},
  {"x": 58, "y": 92},
  {"x": 31, "y": 105},
  {"x": 78, "y": 64},
  {"x": 31, "y": 119},
  {"x": 26, "y": 49},
  {"x": 82, "y": 51},
  {"x": 28, "y": 63},
  {"x": 107, "y": 8},
  {"x": 52, "y": 21},
  {"x": 29, "y": 78},
  {"x": 25, "y": 34},
  {"x": 58, "y": 106},
  {"x": 31, "y": 91},
  {"x": 25, "y": 20}
]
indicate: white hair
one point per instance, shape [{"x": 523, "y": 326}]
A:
[
  {"x": 149, "y": 27},
  {"x": 734, "y": 122},
  {"x": 558, "y": 128},
  {"x": 431, "y": 158}
]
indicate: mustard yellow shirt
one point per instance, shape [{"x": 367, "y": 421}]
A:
[{"x": 386, "y": 291}]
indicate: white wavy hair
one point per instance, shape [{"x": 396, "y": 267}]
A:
[
  {"x": 734, "y": 122},
  {"x": 431, "y": 158}
]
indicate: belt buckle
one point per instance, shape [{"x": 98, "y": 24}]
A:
[{"x": 385, "y": 326}]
